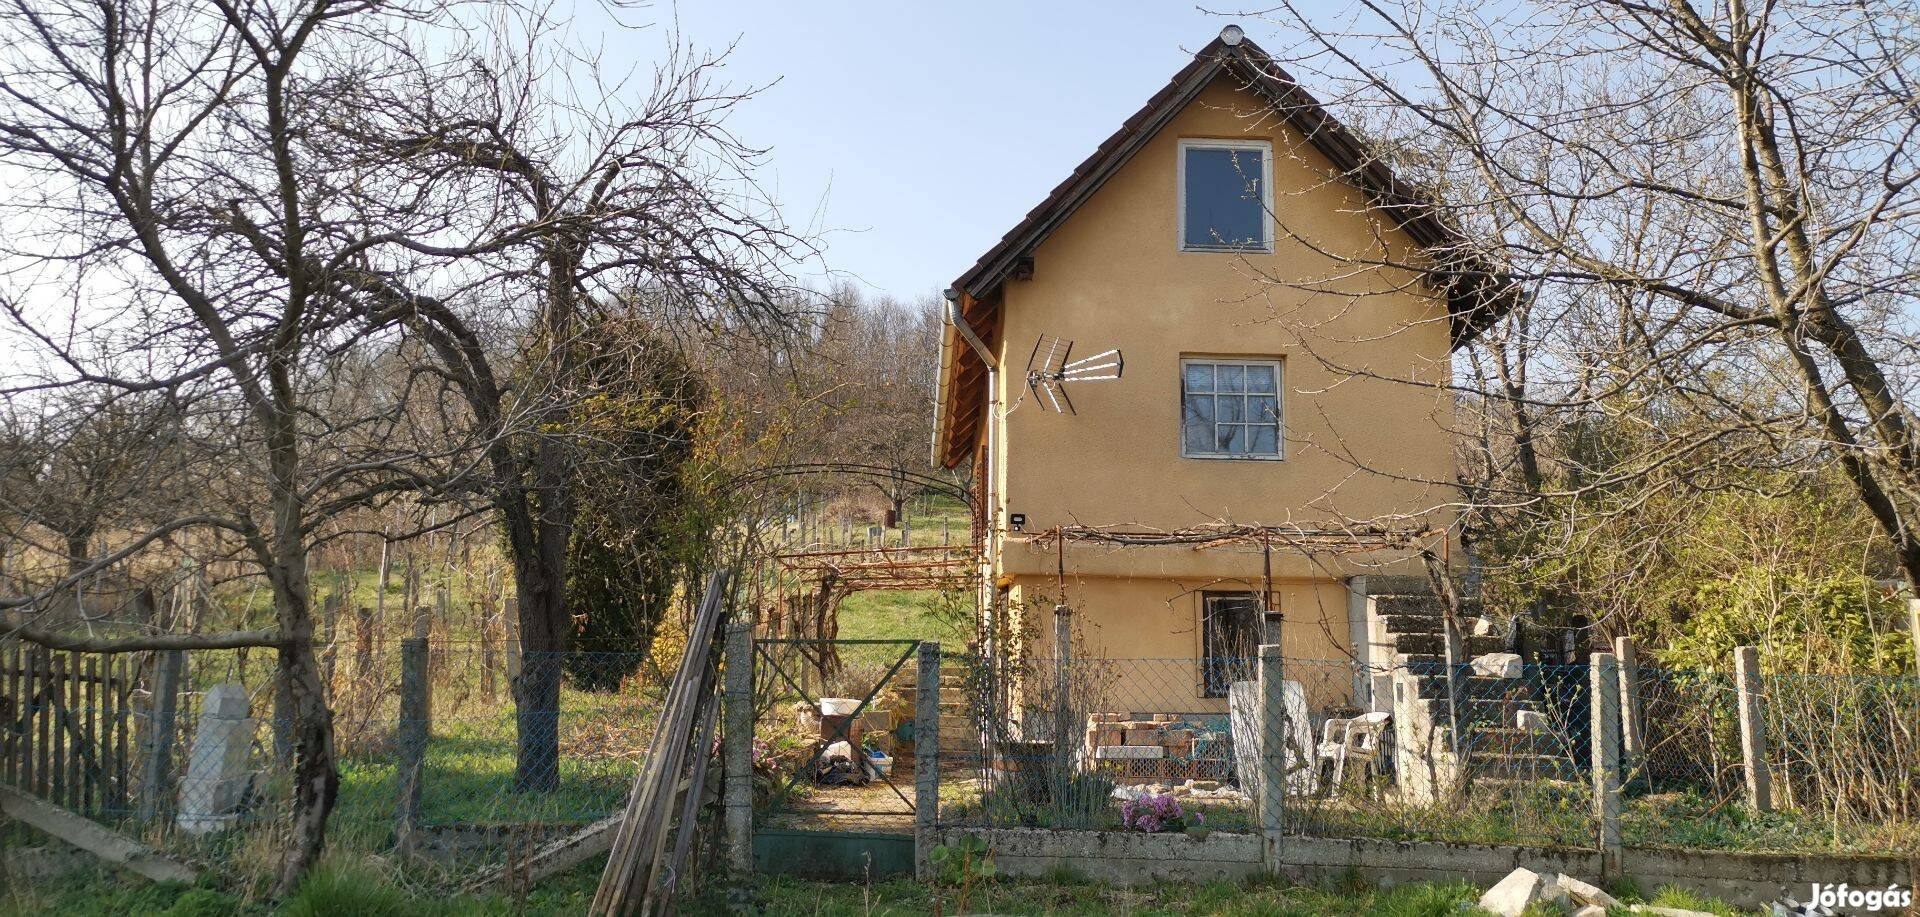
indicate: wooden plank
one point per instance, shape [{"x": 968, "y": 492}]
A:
[
  {"x": 636, "y": 847},
  {"x": 554, "y": 857},
  {"x": 122, "y": 725},
  {"x": 57, "y": 742},
  {"x": 109, "y": 846},
  {"x": 43, "y": 721},
  {"x": 15, "y": 701},
  {"x": 76, "y": 708},
  {"x": 90, "y": 730},
  {"x": 156, "y": 751}
]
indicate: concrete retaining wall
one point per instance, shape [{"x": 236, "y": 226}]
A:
[
  {"x": 1119, "y": 857},
  {"x": 1741, "y": 879}
]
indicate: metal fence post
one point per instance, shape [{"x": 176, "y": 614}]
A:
[
  {"x": 1630, "y": 735},
  {"x": 738, "y": 739},
  {"x": 926, "y": 758},
  {"x": 1753, "y": 728},
  {"x": 1604, "y": 727},
  {"x": 411, "y": 743},
  {"x": 156, "y": 744},
  {"x": 1273, "y": 756}
]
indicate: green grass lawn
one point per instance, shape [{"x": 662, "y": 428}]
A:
[
  {"x": 897, "y": 616},
  {"x": 369, "y": 889}
]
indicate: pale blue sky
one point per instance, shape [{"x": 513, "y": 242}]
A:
[{"x": 889, "y": 125}]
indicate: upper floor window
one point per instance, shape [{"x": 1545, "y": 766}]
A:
[
  {"x": 1224, "y": 195},
  {"x": 1230, "y": 408}
]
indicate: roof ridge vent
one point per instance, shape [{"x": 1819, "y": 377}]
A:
[{"x": 1231, "y": 35}]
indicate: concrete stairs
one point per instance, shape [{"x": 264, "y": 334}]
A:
[{"x": 1494, "y": 747}]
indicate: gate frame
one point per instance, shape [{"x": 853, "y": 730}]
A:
[{"x": 744, "y": 652}]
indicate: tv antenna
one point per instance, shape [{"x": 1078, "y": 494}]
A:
[{"x": 1052, "y": 366}]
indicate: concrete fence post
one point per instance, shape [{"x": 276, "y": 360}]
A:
[
  {"x": 411, "y": 740},
  {"x": 926, "y": 759},
  {"x": 1913, "y": 628},
  {"x": 1273, "y": 756},
  {"x": 1604, "y": 728},
  {"x": 1631, "y": 738},
  {"x": 738, "y": 751},
  {"x": 1753, "y": 728},
  {"x": 156, "y": 743}
]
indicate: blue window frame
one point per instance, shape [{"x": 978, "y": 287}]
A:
[{"x": 1225, "y": 203}]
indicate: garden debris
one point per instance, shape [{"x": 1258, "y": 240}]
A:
[
  {"x": 838, "y": 768},
  {"x": 1584, "y": 893},
  {"x": 1523, "y": 888},
  {"x": 110, "y": 846},
  {"x": 1156, "y": 748}
]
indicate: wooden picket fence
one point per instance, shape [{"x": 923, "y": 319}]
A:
[{"x": 67, "y": 726}]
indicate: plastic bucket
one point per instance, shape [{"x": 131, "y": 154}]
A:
[{"x": 838, "y": 706}]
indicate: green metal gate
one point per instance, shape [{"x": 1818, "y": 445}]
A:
[{"x": 861, "y": 828}]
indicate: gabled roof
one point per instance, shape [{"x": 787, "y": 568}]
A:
[{"x": 1474, "y": 294}]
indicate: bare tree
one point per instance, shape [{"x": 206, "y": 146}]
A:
[
  {"x": 591, "y": 201},
  {"x": 185, "y": 229},
  {"x": 873, "y": 366},
  {"x": 1709, "y": 211}
]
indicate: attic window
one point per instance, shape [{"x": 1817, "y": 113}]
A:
[{"x": 1226, "y": 195}]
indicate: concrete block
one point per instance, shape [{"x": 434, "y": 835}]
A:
[
  {"x": 1532, "y": 721},
  {"x": 1590, "y": 910},
  {"x": 218, "y": 767},
  {"x": 1521, "y": 889},
  {"x": 1498, "y": 665},
  {"x": 1129, "y": 752},
  {"x": 1584, "y": 893}
]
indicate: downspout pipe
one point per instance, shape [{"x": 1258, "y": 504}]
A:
[
  {"x": 991, "y": 509},
  {"x": 966, "y": 331}
]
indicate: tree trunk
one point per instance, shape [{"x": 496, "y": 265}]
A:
[
  {"x": 538, "y": 542},
  {"x": 316, "y": 781}
]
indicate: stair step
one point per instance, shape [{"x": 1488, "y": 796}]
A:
[
  {"x": 1421, "y": 643},
  {"x": 1410, "y": 606},
  {"x": 1482, "y": 645},
  {"x": 1399, "y": 585},
  {"x": 1475, "y": 688},
  {"x": 1411, "y": 624}
]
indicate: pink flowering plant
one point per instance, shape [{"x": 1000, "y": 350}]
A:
[{"x": 1154, "y": 812}]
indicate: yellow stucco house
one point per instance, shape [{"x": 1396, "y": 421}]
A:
[{"x": 1286, "y": 312}]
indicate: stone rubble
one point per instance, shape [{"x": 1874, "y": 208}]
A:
[{"x": 1524, "y": 888}]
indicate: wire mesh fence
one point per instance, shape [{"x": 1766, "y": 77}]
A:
[
  {"x": 1103, "y": 743},
  {"x": 438, "y": 760},
  {"x": 1841, "y": 755}
]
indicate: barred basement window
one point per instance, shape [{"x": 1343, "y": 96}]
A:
[
  {"x": 1230, "y": 630},
  {"x": 1230, "y": 409}
]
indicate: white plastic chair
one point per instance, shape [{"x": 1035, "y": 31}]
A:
[{"x": 1359, "y": 739}]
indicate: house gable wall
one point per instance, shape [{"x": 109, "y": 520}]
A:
[{"x": 1113, "y": 276}]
